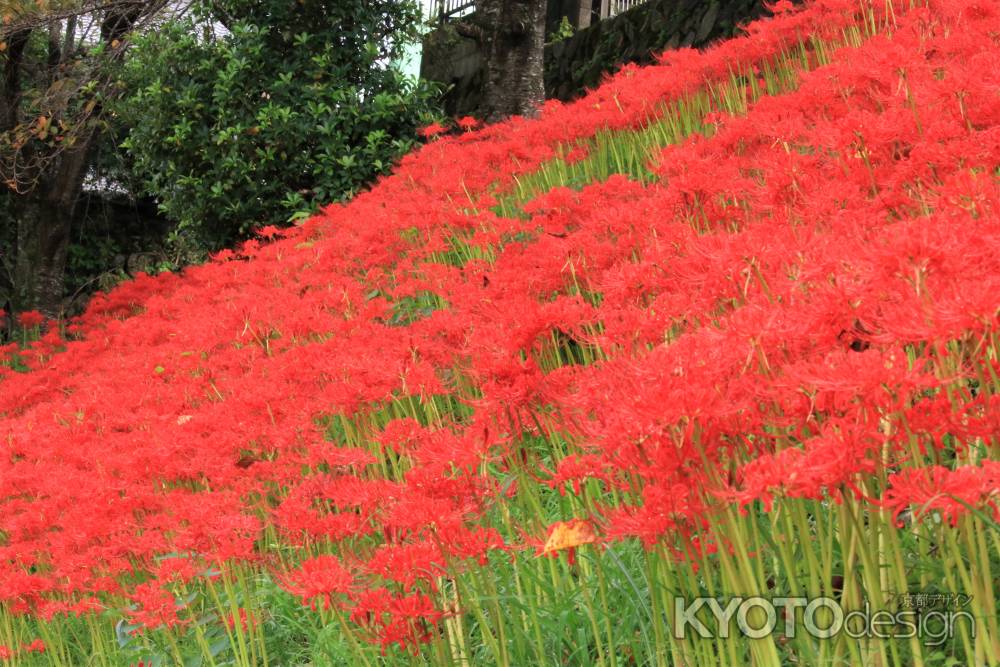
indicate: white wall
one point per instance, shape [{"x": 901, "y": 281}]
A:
[{"x": 410, "y": 63}]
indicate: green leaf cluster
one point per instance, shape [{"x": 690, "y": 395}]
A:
[{"x": 248, "y": 113}]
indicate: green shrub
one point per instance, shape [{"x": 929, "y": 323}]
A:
[{"x": 249, "y": 114}]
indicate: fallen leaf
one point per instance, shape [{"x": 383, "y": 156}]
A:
[{"x": 568, "y": 535}]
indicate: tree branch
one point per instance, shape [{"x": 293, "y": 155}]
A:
[
  {"x": 470, "y": 30},
  {"x": 10, "y": 83}
]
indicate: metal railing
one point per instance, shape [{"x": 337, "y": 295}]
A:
[{"x": 447, "y": 9}]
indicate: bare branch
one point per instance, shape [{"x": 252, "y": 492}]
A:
[{"x": 44, "y": 136}]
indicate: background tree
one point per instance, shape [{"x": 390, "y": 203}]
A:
[
  {"x": 252, "y": 112},
  {"x": 511, "y": 34},
  {"x": 57, "y": 67}
]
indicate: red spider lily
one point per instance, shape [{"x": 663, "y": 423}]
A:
[
  {"x": 950, "y": 492},
  {"x": 30, "y": 319},
  {"x": 154, "y": 608},
  {"x": 406, "y": 620},
  {"x": 35, "y": 646},
  {"x": 321, "y": 579},
  {"x": 432, "y": 130},
  {"x": 772, "y": 312}
]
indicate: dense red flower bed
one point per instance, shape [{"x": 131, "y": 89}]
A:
[{"x": 788, "y": 285}]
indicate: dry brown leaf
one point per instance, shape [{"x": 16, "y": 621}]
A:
[{"x": 568, "y": 535}]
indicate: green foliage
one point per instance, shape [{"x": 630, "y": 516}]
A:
[
  {"x": 563, "y": 31},
  {"x": 290, "y": 106}
]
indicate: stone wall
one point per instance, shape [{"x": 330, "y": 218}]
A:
[
  {"x": 581, "y": 61},
  {"x": 456, "y": 62}
]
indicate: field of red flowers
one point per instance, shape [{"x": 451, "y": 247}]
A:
[{"x": 727, "y": 326}]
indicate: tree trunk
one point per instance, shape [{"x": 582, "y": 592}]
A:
[
  {"x": 513, "y": 42},
  {"x": 43, "y": 219},
  {"x": 43, "y": 235},
  {"x": 45, "y": 189}
]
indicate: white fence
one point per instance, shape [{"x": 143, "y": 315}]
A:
[{"x": 615, "y": 7}]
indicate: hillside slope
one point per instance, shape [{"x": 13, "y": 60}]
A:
[{"x": 727, "y": 325}]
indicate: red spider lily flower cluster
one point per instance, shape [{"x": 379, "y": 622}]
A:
[
  {"x": 35, "y": 646},
  {"x": 30, "y": 319},
  {"x": 782, "y": 296},
  {"x": 949, "y": 492},
  {"x": 432, "y": 130}
]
